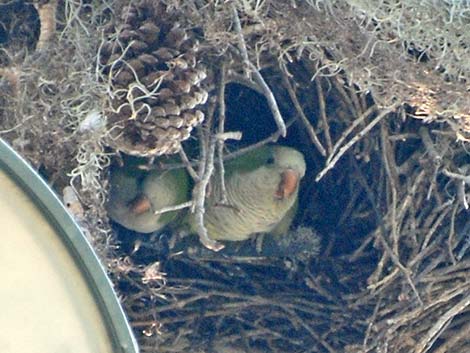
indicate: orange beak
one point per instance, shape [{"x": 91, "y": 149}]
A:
[
  {"x": 288, "y": 184},
  {"x": 140, "y": 205}
]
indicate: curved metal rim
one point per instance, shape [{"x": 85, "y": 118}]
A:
[{"x": 52, "y": 208}]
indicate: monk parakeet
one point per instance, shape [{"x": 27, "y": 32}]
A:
[
  {"x": 136, "y": 194},
  {"x": 261, "y": 188}
]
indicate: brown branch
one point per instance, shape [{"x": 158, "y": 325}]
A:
[
  {"x": 426, "y": 342},
  {"x": 48, "y": 22},
  {"x": 355, "y": 139},
  {"x": 268, "y": 94},
  {"x": 199, "y": 195},
  {"x": 220, "y": 142},
  {"x": 324, "y": 118},
  {"x": 303, "y": 118}
]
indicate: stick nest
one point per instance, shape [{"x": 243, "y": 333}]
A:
[{"x": 374, "y": 94}]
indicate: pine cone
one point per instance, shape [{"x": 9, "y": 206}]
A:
[{"x": 155, "y": 78}]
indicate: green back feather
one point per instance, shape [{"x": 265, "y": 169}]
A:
[{"x": 249, "y": 161}]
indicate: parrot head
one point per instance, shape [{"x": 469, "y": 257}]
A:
[
  {"x": 274, "y": 170},
  {"x": 290, "y": 165},
  {"x": 135, "y": 195}
]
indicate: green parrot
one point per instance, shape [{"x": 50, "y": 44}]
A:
[
  {"x": 261, "y": 188},
  {"x": 136, "y": 194}
]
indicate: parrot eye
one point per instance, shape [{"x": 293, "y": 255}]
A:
[{"x": 270, "y": 160}]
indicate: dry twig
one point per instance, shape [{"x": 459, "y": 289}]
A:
[{"x": 258, "y": 77}]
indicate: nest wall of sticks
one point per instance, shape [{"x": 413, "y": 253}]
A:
[{"x": 375, "y": 97}]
